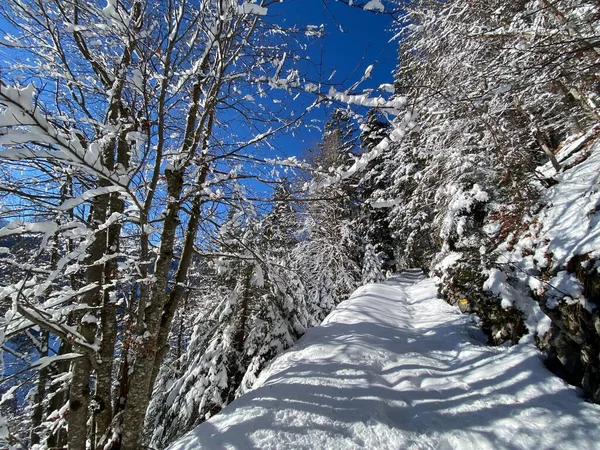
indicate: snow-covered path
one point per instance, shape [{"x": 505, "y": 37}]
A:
[{"x": 394, "y": 367}]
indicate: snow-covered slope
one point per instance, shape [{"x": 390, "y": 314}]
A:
[{"x": 394, "y": 367}]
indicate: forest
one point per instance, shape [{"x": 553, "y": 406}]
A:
[{"x": 158, "y": 247}]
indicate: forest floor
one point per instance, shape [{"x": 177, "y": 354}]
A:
[{"x": 394, "y": 367}]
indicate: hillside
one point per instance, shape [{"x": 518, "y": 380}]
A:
[{"x": 396, "y": 367}]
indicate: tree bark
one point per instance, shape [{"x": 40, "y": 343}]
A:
[
  {"x": 176, "y": 294},
  {"x": 37, "y": 413},
  {"x": 79, "y": 394},
  {"x": 144, "y": 347}
]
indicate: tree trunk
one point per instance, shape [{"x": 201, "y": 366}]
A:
[
  {"x": 79, "y": 395},
  {"x": 108, "y": 318},
  {"x": 108, "y": 329},
  {"x": 144, "y": 347},
  {"x": 58, "y": 439},
  {"x": 37, "y": 413},
  {"x": 176, "y": 294},
  {"x": 542, "y": 142}
]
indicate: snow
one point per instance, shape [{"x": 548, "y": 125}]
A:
[
  {"x": 385, "y": 203},
  {"x": 252, "y": 8},
  {"x": 563, "y": 285},
  {"x": 47, "y": 360},
  {"x": 87, "y": 195},
  {"x": 449, "y": 260},
  {"x": 536, "y": 321},
  {"x": 110, "y": 10},
  {"x": 387, "y": 87},
  {"x": 567, "y": 225},
  {"x": 395, "y": 367},
  {"x": 26, "y": 123},
  {"x": 374, "y": 5},
  {"x": 394, "y": 105},
  {"x": 21, "y": 227},
  {"x": 571, "y": 220}
]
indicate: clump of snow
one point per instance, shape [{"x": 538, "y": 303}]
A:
[
  {"x": 387, "y": 87},
  {"x": 511, "y": 296},
  {"x": 448, "y": 261},
  {"x": 496, "y": 283},
  {"x": 87, "y": 195},
  {"x": 492, "y": 229},
  {"x": 462, "y": 201},
  {"x": 110, "y": 10},
  {"x": 252, "y": 8},
  {"x": 394, "y": 105},
  {"x": 564, "y": 285},
  {"x": 385, "y": 203},
  {"x": 374, "y": 5},
  {"x": 396, "y": 367},
  {"x": 47, "y": 360}
]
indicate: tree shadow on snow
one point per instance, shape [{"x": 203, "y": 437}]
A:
[{"x": 434, "y": 389}]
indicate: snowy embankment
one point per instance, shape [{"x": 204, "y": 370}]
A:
[{"x": 394, "y": 367}]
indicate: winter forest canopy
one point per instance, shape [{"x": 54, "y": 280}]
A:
[{"x": 161, "y": 241}]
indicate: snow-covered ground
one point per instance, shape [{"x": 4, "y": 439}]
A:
[{"x": 394, "y": 367}]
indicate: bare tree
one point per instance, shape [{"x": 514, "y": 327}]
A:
[{"x": 138, "y": 115}]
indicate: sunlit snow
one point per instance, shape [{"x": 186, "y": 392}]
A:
[{"x": 394, "y": 367}]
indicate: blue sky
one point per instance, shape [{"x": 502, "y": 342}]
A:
[{"x": 354, "y": 39}]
